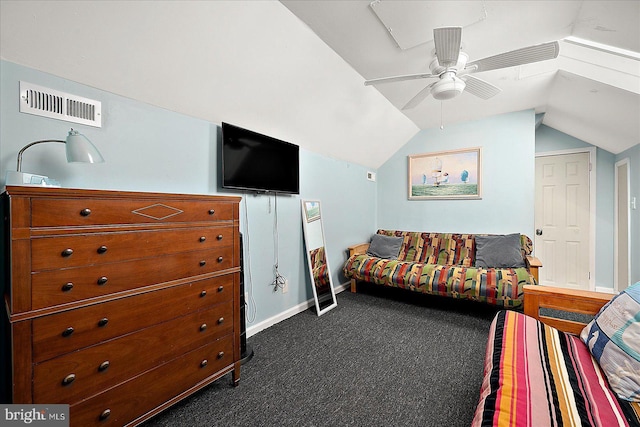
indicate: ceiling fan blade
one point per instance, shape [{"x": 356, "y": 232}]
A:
[
  {"x": 447, "y": 41},
  {"x": 413, "y": 102},
  {"x": 526, "y": 55},
  {"x": 480, "y": 88},
  {"x": 399, "y": 78}
]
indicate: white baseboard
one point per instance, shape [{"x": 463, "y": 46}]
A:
[
  {"x": 606, "y": 290},
  {"x": 252, "y": 330}
]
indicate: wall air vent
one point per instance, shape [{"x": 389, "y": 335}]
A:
[{"x": 54, "y": 104}]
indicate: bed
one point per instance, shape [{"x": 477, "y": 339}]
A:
[{"x": 537, "y": 375}]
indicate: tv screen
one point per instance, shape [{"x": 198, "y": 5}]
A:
[{"x": 252, "y": 161}]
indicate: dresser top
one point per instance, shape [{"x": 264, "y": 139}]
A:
[{"x": 28, "y": 191}]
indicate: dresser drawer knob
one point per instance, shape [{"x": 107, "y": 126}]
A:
[
  {"x": 203, "y": 327},
  {"x": 203, "y": 293},
  {"x": 203, "y": 363},
  {"x": 220, "y": 288},
  {"x": 211, "y": 211},
  {"x": 69, "y": 379},
  {"x": 67, "y": 332},
  {"x": 221, "y": 355},
  {"x": 67, "y": 287},
  {"x": 203, "y": 263},
  {"x": 105, "y": 414},
  {"x": 219, "y": 237},
  {"x": 67, "y": 252},
  {"x": 220, "y": 259},
  {"x": 85, "y": 212},
  {"x": 103, "y": 322},
  {"x": 102, "y": 280},
  {"x": 102, "y": 249},
  {"x": 203, "y": 238},
  {"x": 221, "y": 321},
  {"x": 103, "y": 366}
]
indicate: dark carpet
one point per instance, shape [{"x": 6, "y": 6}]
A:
[{"x": 381, "y": 358}]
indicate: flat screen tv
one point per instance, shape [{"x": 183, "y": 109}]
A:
[{"x": 256, "y": 162}]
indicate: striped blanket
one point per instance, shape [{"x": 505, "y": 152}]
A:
[
  {"x": 537, "y": 376},
  {"x": 443, "y": 264}
]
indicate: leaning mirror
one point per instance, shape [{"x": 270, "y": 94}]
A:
[{"x": 317, "y": 259}]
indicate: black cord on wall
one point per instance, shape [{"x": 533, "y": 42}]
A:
[{"x": 279, "y": 281}]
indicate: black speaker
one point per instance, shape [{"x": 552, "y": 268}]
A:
[{"x": 246, "y": 352}]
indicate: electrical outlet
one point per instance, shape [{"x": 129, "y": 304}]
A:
[{"x": 285, "y": 287}]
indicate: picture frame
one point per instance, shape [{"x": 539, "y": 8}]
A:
[
  {"x": 454, "y": 174},
  {"x": 311, "y": 210}
]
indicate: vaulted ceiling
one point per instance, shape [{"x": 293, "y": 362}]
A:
[
  {"x": 295, "y": 70},
  {"x": 250, "y": 63},
  {"x": 591, "y": 91}
]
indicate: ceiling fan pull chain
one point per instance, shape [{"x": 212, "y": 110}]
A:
[{"x": 441, "y": 125}]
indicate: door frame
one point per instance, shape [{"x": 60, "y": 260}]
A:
[
  {"x": 616, "y": 224},
  {"x": 592, "y": 204}
]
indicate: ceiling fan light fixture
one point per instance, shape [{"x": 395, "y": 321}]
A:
[
  {"x": 438, "y": 69},
  {"x": 449, "y": 62},
  {"x": 448, "y": 87}
]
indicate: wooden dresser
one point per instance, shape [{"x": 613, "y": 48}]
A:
[{"x": 120, "y": 303}]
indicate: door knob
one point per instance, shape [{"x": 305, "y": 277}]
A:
[{"x": 538, "y": 231}]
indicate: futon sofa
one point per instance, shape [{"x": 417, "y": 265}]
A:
[
  {"x": 319, "y": 269},
  {"x": 447, "y": 264},
  {"x": 539, "y": 375}
]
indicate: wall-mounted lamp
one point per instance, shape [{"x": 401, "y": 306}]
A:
[{"x": 78, "y": 149}]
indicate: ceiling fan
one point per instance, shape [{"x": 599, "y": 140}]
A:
[{"x": 451, "y": 69}]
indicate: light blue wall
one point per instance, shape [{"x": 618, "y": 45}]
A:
[
  {"x": 151, "y": 149},
  {"x": 346, "y": 220},
  {"x": 145, "y": 148},
  {"x": 548, "y": 140},
  {"x": 508, "y": 177},
  {"x": 633, "y": 154}
]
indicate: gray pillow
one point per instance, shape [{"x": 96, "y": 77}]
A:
[
  {"x": 387, "y": 247},
  {"x": 501, "y": 251}
]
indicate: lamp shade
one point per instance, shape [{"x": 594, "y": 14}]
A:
[{"x": 80, "y": 149}]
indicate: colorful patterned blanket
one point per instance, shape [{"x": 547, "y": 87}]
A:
[
  {"x": 319, "y": 269},
  {"x": 536, "y": 376},
  {"x": 442, "y": 264}
]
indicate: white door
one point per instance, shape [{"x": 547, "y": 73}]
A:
[{"x": 562, "y": 220}]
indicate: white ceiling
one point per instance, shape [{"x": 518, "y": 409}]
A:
[
  {"x": 250, "y": 63},
  {"x": 300, "y": 76},
  {"x": 591, "y": 91}
]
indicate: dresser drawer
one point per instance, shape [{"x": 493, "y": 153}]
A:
[
  {"x": 97, "y": 323},
  {"x": 124, "y": 277},
  {"x": 88, "y": 211},
  {"x": 54, "y": 287},
  {"x": 80, "y": 374},
  {"x": 133, "y": 399},
  {"x": 48, "y": 253}
]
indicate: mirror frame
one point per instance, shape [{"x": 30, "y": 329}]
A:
[{"x": 305, "y": 221}]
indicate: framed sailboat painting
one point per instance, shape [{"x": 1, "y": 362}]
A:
[{"x": 455, "y": 174}]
